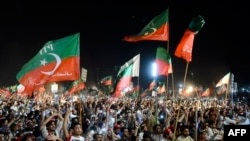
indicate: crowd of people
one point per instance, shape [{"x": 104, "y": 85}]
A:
[{"x": 77, "y": 117}]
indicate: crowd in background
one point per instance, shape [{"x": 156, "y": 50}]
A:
[{"x": 103, "y": 118}]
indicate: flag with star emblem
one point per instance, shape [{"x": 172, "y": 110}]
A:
[
  {"x": 58, "y": 60},
  {"x": 156, "y": 29}
]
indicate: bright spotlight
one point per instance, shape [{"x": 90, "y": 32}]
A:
[{"x": 154, "y": 69}]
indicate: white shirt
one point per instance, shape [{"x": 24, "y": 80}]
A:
[{"x": 75, "y": 138}]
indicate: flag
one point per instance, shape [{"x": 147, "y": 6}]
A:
[
  {"x": 20, "y": 89},
  {"x": 134, "y": 63},
  {"x": 152, "y": 85},
  {"x": 58, "y": 60},
  {"x": 224, "y": 80},
  {"x": 73, "y": 87},
  {"x": 127, "y": 71},
  {"x": 107, "y": 81},
  {"x": 207, "y": 92},
  {"x": 156, "y": 29},
  {"x": 134, "y": 92},
  {"x": 221, "y": 89},
  {"x": 5, "y": 92},
  {"x": 163, "y": 61},
  {"x": 76, "y": 86},
  {"x": 170, "y": 68},
  {"x": 185, "y": 47},
  {"x": 161, "y": 88}
]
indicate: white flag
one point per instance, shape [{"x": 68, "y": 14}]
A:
[
  {"x": 135, "y": 62},
  {"x": 224, "y": 80}
]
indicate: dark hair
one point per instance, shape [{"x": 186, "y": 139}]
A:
[
  {"x": 154, "y": 127},
  {"x": 147, "y": 135},
  {"x": 184, "y": 127},
  {"x": 50, "y": 122},
  {"x": 74, "y": 124},
  {"x": 95, "y": 135},
  {"x": 26, "y": 136}
]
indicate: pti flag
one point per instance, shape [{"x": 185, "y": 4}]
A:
[
  {"x": 107, "y": 81},
  {"x": 57, "y": 60},
  {"x": 127, "y": 71},
  {"x": 156, "y": 29},
  {"x": 163, "y": 61},
  {"x": 185, "y": 46}
]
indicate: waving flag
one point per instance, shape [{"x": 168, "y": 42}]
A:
[
  {"x": 224, "y": 80},
  {"x": 107, "y": 81},
  {"x": 127, "y": 71},
  {"x": 207, "y": 92},
  {"x": 163, "y": 61},
  {"x": 185, "y": 47},
  {"x": 156, "y": 29},
  {"x": 58, "y": 60},
  {"x": 152, "y": 85},
  {"x": 76, "y": 86},
  {"x": 170, "y": 69}
]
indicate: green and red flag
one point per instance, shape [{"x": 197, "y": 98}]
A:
[
  {"x": 170, "y": 68},
  {"x": 206, "y": 93},
  {"x": 76, "y": 86},
  {"x": 5, "y": 93},
  {"x": 163, "y": 61},
  {"x": 152, "y": 85},
  {"x": 58, "y": 60},
  {"x": 124, "y": 76},
  {"x": 156, "y": 29},
  {"x": 161, "y": 88},
  {"x": 107, "y": 81},
  {"x": 185, "y": 46}
]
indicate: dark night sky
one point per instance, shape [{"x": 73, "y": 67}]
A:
[{"x": 220, "y": 46}]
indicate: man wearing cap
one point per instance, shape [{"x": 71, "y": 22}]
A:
[{"x": 117, "y": 131}]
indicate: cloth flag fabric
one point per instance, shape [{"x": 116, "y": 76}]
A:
[
  {"x": 107, "y": 81},
  {"x": 170, "y": 68},
  {"x": 134, "y": 63},
  {"x": 5, "y": 92},
  {"x": 58, "y": 60},
  {"x": 163, "y": 61},
  {"x": 161, "y": 88},
  {"x": 206, "y": 93},
  {"x": 221, "y": 89},
  {"x": 152, "y": 85},
  {"x": 185, "y": 46},
  {"x": 156, "y": 29},
  {"x": 224, "y": 80},
  {"x": 76, "y": 86},
  {"x": 124, "y": 76}
]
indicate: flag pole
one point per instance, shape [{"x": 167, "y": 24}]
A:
[
  {"x": 227, "y": 88},
  {"x": 166, "y": 87},
  {"x": 176, "y": 122},
  {"x": 173, "y": 89},
  {"x": 172, "y": 74},
  {"x": 185, "y": 76},
  {"x": 137, "y": 92},
  {"x": 179, "y": 103},
  {"x": 80, "y": 72}
]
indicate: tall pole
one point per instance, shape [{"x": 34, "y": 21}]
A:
[
  {"x": 196, "y": 120},
  {"x": 227, "y": 88},
  {"x": 166, "y": 87},
  {"x": 179, "y": 103},
  {"x": 173, "y": 88}
]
